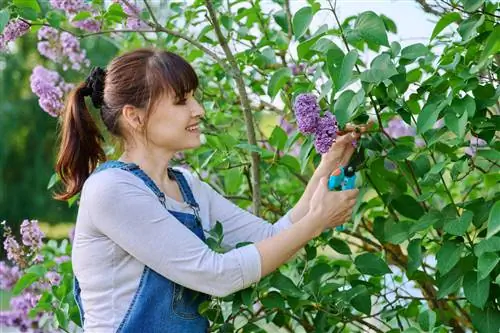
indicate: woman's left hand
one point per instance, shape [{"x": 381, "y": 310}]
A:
[{"x": 341, "y": 151}]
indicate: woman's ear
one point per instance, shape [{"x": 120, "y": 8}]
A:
[{"x": 133, "y": 117}]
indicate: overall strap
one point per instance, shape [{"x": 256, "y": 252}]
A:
[{"x": 187, "y": 194}]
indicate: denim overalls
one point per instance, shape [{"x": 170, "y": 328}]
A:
[{"x": 161, "y": 305}]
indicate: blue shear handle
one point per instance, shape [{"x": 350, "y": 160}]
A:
[
  {"x": 348, "y": 184},
  {"x": 336, "y": 181}
]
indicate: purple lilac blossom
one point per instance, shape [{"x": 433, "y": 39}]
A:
[
  {"x": 73, "y": 7},
  {"x": 326, "y": 133},
  {"x": 62, "y": 48},
  {"x": 14, "y": 250},
  {"x": 50, "y": 87},
  {"x": 475, "y": 142},
  {"x": 13, "y": 30},
  {"x": 133, "y": 12},
  {"x": 307, "y": 113},
  {"x": 31, "y": 234},
  {"x": 53, "y": 277},
  {"x": 8, "y": 275},
  {"x": 398, "y": 128},
  {"x": 61, "y": 259},
  {"x": 18, "y": 315}
]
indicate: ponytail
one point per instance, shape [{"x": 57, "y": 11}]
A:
[{"x": 80, "y": 150}]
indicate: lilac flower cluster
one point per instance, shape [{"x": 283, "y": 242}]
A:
[
  {"x": 475, "y": 142},
  {"x": 133, "y": 22},
  {"x": 50, "y": 87},
  {"x": 397, "y": 128},
  {"x": 31, "y": 234},
  {"x": 8, "y": 276},
  {"x": 73, "y": 7},
  {"x": 300, "y": 68},
  {"x": 307, "y": 113},
  {"x": 62, "y": 48},
  {"x": 326, "y": 133},
  {"x": 13, "y": 30},
  {"x": 18, "y": 315},
  {"x": 308, "y": 118}
]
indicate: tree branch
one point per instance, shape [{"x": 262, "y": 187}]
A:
[{"x": 245, "y": 103}]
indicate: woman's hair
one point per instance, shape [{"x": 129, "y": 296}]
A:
[{"x": 138, "y": 78}]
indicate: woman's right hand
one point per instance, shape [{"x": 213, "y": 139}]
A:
[{"x": 331, "y": 208}]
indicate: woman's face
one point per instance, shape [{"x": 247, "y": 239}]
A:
[{"x": 175, "y": 126}]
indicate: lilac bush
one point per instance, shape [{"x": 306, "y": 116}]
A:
[
  {"x": 475, "y": 143},
  {"x": 73, "y": 7}
]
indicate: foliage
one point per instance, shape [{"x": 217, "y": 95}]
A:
[{"x": 422, "y": 253}]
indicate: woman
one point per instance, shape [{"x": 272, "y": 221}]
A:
[{"x": 139, "y": 255}]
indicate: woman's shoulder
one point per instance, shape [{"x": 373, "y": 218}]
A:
[{"x": 110, "y": 180}]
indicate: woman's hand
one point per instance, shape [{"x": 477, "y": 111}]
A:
[
  {"x": 341, "y": 151},
  {"x": 331, "y": 208}
]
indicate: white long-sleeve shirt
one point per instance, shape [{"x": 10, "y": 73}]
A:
[{"x": 122, "y": 226}]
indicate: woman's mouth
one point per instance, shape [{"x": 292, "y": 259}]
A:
[{"x": 193, "y": 128}]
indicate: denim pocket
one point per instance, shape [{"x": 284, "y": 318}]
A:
[{"x": 185, "y": 301}]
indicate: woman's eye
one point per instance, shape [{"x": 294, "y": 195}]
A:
[{"x": 181, "y": 102}]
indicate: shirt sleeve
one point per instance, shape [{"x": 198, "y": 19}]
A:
[
  {"x": 127, "y": 212},
  {"x": 238, "y": 224}
]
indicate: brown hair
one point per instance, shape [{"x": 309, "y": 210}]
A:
[{"x": 138, "y": 78}]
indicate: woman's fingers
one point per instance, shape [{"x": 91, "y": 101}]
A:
[{"x": 356, "y": 128}]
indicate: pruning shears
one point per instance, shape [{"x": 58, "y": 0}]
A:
[{"x": 344, "y": 177}]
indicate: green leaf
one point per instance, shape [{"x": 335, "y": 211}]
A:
[
  {"x": 283, "y": 283},
  {"x": 456, "y": 122},
  {"x": 305, "y": 150},
  {"x": 445, "y": 21},
  {"x": 30, "y": 4},
  {"x": 381, "y": 69},
  {"x": 53, "y": 180},
  {"x": 490, "y": 154},
  {"x": 82, "y": 16},
  {"x": 476, "y": 291},
  {"x": 472, "y": 5},
  {"x": 278, "y": 138},
  {"x": 233, "y": 178},
  {"x": 427, "y": 320},
  {"x": 368, "y": 263},
  {"x": 448, "y": 256},
  {"x": 414, "y": 255},
  {"x": 459, "y": 226},
  {"x": 340, "y": 246},
  {"x": 363, "y": 302},
  {"x": 407, "y": 206},
  {"x": 399, "y": 152},
  {"x": 345, "y": 73},
  {"x": 450, "y": 282},
  {"x": 491, "y": 244},
  {"x": 468, "y": 28},
  {"x": 4, "y": 19},
  {"x": 371, "y": 28},
  {"x": 427, "y": 118},
  {"x": 396, "y": 232},
  {"x": 301, "y": 21},
  {"x": 491, "y": 47},
  {"x": 414, "y": 51},
  {"x": 485, "y": 321},
  {"x": 494, "y": 220},
  {"x": 486, "y": 263},
  {"x": 346, "y": 104},
  {"x": 55, "y": 18},
  {"x": 38, "y": 270},
  {"x": 278, "y": 80},
  {"x": 25, "y": 281},
  {"x": 273, "y": 300}
]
